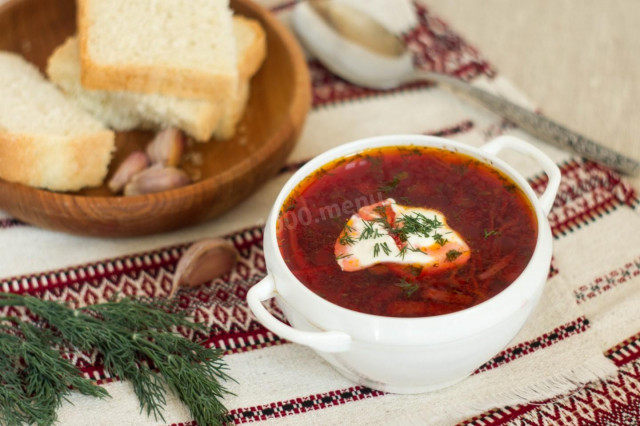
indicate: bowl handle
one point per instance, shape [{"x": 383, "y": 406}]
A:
[
  {"x": 549, "y": 167},
  {"x": 324, "y": 341}
]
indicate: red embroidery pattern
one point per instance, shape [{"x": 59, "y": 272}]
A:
[
  {"x": 626, "y": 351},
  {"x": 437, "y": 48},
  {"x": 553, "y": 269},
  {"x": 562, "y": 332},
  {"x": 301, "y": 405},
  {"x": 220, "y": 305},
  {"x": 243, "y": 342},
  {"x": 625, "y": 273},
  {"x": 596, "y": 403},
  {"x": 613, "y": 399},
  {"x": 587, "y": 191},
  {"x": 463, "y": 127}
]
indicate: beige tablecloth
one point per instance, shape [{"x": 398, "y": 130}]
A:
[{"x": 585, "y": 329}]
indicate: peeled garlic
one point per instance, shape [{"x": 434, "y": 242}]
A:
[
  {"x": 167, "y": 147},
  {"x": 133, "y": 164},
  {"x": 155, "y": 179},
  {"x": 204, "y": 261}
]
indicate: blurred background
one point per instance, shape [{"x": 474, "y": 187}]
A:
[{"x": 578, "y": 61}]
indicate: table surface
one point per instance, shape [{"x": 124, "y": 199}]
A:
[
  {"x": 587, "y": 323},
  {"x": 577, "y": 61}
]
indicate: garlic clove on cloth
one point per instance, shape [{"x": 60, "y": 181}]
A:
[{"x": 204, "y": 261}]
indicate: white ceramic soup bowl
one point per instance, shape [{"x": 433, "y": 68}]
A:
[{"x": 407, "y": 355}]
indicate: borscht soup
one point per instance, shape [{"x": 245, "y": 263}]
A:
[{"x": 406, "y": 231}]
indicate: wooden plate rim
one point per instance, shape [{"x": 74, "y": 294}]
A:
[{"x": 297, "y": 112}]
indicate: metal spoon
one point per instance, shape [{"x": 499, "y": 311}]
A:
[{"x": 361, "y": 50}]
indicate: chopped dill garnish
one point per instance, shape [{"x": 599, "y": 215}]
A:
[
  {"x": 391, "y": 185},
  {"x": 416, "y": 224},
  {"x": 408, "y": 287},
  {"x": 383, "y": 220},
  {"x": 488, "y": 233},
  {"x": 346, "y": 240},
  {"x": 439, "y": 239},
  {"x": 343, "y": 256},
  {"x": 460, "y": 169},
  {"x": 402, "y": 252},
  {"x": 506, "y": 183},
  {"x": 385, "y": 248},
  {"x": 510, "y": 187},
  {"x": 369, "y": 231},
  {"x": 374, "y": 160},
  {"x": 415, "y": 270},
  {"x": 321, "y": 172},
  {"x": 381, "y": 210},
  {"x": 453, "y": 255}
]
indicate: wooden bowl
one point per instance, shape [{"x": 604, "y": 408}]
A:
[{"x": 230, "y": 171}]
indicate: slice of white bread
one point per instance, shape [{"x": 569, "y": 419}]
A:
[
  {"x": 46, "y": 140},
  {"x": 251, "y": 40},
  {"x": 122, "y": 110},
  {"x": 182, "y": 48},
  {"x": 251, "y": 45}
]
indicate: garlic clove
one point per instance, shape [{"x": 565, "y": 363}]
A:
[
  {"x": 133, "y": 164},
  {"x": 202, "y": 262},
  {"x": 156, "y": 179},
  {"x": 167, "y": 147}
]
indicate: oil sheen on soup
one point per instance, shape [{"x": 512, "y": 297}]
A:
[{"x": 406, "y": 231}]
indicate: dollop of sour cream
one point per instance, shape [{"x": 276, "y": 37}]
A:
[{"x": 387, "y": 232}]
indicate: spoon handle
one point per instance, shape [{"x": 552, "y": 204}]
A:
[{"x": 540, "y": 126}]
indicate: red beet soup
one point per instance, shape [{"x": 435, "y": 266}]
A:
[{"x": 407, "y": 231}]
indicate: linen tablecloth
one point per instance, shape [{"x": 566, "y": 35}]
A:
[{"x": 574, "y": 362}]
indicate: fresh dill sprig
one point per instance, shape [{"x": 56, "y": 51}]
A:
[
  {"x": 35, "y": 378},
  {"x": 137, "y": 342}
]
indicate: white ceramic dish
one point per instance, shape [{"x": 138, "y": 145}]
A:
[{"x": 408, "y": 355}]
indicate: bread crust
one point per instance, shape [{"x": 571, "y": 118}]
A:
[
  {"x": 58, "y": 163},
  {"x": 183, "y": 83},
  {"x": 249, "y": 64}
]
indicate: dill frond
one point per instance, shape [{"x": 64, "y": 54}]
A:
[{"x": 137, "y": 341}]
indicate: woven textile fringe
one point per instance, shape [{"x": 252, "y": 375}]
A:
[{"x": 555, "y": 387}]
